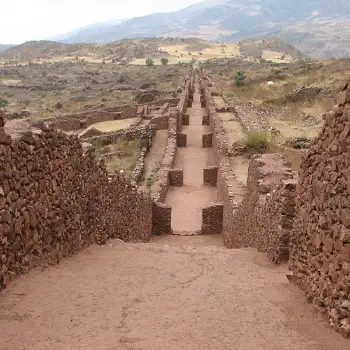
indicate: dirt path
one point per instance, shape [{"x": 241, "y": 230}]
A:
[
  {"x": 154, "y": 157},
  {"x": 173, "y": 293},
  {"x": 187, "y": 201}
]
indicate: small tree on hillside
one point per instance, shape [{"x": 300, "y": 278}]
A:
[
  {"x": 239, "y": 78},
  {"x": 149, "y": 62},
  {"x": 3, "y": 103},
  {"x": 164, "y": 61}
]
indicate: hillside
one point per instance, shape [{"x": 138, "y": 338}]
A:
[
  {"x": 135, "y": 51},
  {"x": 311, "y": 25}
]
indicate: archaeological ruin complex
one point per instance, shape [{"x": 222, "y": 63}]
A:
[{"x": 57, "y": 197}]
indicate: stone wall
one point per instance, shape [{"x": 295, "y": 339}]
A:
[
  {"x": 210, "y": 175},
  {"x": 80, "y": 120},
  {"x": 207, "y": 140},
  {"x": 181, "y": 139},
  {"x": 144, "y": 133},
  {"x": 257, "y": 215},
  {"x": 161, "y": 122},
  {"x": 174, "y": 126},
  {"x": 161, "y": 219},
  {"x": 212, "y": 217},
  {"x": 176, "y": 177},
  {"x": 55, "y": 200},
  {"x": 320, "y": 245}
]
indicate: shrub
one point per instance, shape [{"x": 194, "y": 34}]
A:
[
  {"x": 149, "y": 62},
  {"x": 239, "y": 78},
  {"x": 3, "y": 103},
  {"x": 123, "y": 76},
  {"x": 164, "y": 61},
  {"x": 257, "y": 142}
]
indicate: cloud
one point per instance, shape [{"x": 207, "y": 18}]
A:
[{"x": 23, "y": 20}]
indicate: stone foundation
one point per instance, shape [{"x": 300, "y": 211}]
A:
[
  {"x": 212, "y": 217},
  {"x": 210, "y": 175},
  {"x": 207, "y": 140},
  {"x": 176, "y": 177}
]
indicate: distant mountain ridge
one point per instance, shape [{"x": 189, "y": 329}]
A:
[
  {"x": 4, "y": 47},
  {"x": 319, "y": 27}
]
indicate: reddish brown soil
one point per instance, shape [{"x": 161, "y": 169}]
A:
[
  {"x": 173, "y": 293},
  {"x": 187, "y": 201}
]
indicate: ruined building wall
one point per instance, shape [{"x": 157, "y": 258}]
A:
[
  {"x": 320, "y": 245},
  {"x": 56, "y": 200},
  {"x": 258, "y": 215}
]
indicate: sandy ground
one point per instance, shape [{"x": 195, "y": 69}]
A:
[
  {"x": 173, "y": 293},
  {"x": 187, "y": 201}
]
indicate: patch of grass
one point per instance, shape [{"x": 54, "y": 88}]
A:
[
  {"x": 228, "y": 94},
  {"x": 151, "y": 180},
  {"x": 257, "y": 142}
]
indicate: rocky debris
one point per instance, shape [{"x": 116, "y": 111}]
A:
[
  {"x": 145, "y": 86},
  {"x": 320, "y": 249},
  {"x": 299, "y": 143},
  {"x": 125, "y": 88},
  {"x": 237, "y": 148},
  {"x": 58, "y": 105},
  {"x": 300, "y": 94},
  {"x": 144, "y": 97}
]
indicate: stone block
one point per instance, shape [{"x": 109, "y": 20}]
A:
[
  {"x": 185, "y": 119},
  {"x": 176, "y": 177},
  {"x": 181, "y": 139},
  {"x": 161, "y": 219},
  {"x": 212, "y": 219},
  {"x": 207, "y": 140},
  {"x": 205, "y": 120},
  {"x": 210, "y": 175}
]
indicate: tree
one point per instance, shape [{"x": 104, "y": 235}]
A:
[
  {"x": 164, "y": 61},
  {"x": 149, "y": 62},
  {"x": 3, "y": 103},
  {"x": 239, "y": 78}
]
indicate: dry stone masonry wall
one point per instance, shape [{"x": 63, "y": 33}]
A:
[
  {"x": 320, "y": 244},
  {"x": 55, "y": 200}
]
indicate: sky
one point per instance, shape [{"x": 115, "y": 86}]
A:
[{"x": 24, "y": 20}]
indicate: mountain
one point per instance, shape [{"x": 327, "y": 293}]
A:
[
  {"x": 82, "y": 35},
  {"x": 319, "y": 27},
  {"x": 4, "y": 47}
]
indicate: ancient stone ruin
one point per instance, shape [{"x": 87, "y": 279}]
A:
[{"x": 56, "y": 197}]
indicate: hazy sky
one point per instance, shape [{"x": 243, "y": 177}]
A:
[{"x": 23, "y": 20}]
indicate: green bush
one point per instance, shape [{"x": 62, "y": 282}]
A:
[
  {"x": 123, "y": 76},
  {"x": 149, "y": 62},
  {"x": 164, "y": 61},
  {"x": 3, "y": 103},
  {"x": 257, "y": 142},
  {"x": 239, "y": 78}
]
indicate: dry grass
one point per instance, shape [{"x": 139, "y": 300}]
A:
[
  {"x": 112, "y": 125},
  {"x": 126, "y": 159}
]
